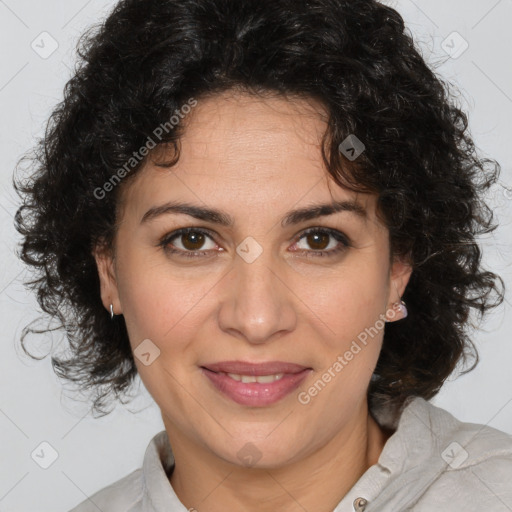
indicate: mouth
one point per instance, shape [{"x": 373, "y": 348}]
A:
[
  {"x": 255, "y": 384},
  {"x": 255, "y": 369}
]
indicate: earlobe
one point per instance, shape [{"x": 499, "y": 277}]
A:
[
  {"x": 107, "y": 276},
  {"x": 398, "y": 311}
]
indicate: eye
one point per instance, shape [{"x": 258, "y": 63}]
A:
[
  {"x": 323, "y": 241},
  {"x": 192, "y": 240}
]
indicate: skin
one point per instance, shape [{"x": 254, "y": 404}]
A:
[{"x": 255, "y": 159}]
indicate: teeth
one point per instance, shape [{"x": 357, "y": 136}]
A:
[{"x": 261, "y": 379}]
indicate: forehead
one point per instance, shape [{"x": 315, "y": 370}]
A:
[
  {"x": 238, "y": 148},
  {"x": 269, "y": 116}
]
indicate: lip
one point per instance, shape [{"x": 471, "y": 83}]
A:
[
  {"x": 255, "y": 394},
  {"x": 255, "y": 369}
]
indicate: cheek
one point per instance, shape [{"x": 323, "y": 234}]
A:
[
  {"x": 158, "y": 304},
  {"x": 349, "y": 300},
  {"x": 161, "y": 309},
  {"x": 147, "y": 300},
  {"x": 349, "y": 327}
]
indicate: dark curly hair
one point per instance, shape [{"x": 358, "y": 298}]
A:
[{"x": 139, "y": 66}]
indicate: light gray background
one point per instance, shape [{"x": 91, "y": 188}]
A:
[{"x": 93, "y": 453}]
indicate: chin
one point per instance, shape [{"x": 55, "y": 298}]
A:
[{"x": 259, "y": 453}]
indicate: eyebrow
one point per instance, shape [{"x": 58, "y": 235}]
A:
[{"x": 219, "y": 217}]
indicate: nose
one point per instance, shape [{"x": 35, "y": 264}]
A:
[{"x": 257, "y": 304}]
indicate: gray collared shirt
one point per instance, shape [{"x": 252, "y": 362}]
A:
[{"x": 431, "y": 462}]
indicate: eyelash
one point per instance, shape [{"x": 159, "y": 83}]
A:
[{"x": 340, "y": 237}]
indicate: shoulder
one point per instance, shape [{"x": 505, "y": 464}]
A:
[
  {"x": 122, "y": 496},
  {"x": 434, "y": 460},
  {"x": 136, "y": 491},
  {"x": 462, "y": 444},
  {"x": 478, "y": 467},
  {"x": 473, "y": 464},
  {"x": 480, "y": 483}
]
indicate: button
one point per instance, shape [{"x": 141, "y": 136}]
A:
[{"x": 360, "y": 504}]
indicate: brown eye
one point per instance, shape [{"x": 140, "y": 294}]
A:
[
  {"x": 187, "y": 242},
  {"x": 192, "y": 241},
  {"x": 318, "y": 241},
  {"x": 322, "y": 242}
]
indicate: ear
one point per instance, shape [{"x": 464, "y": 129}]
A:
[
  {"x": 399, "y": 275},
  {"x": 105, "y": 263}
]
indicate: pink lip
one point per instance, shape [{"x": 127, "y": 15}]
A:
[{"x": 253, "y": 393}]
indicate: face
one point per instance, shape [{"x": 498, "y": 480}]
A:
[{"x": 262, "y": 286}]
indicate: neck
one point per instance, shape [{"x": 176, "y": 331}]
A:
[{"x": 317, "y": 482}]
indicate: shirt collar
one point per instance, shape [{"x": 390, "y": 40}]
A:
[{"x": 158, "y": 493}]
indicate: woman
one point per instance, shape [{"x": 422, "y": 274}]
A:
[{"x": 268, "y": 210}]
